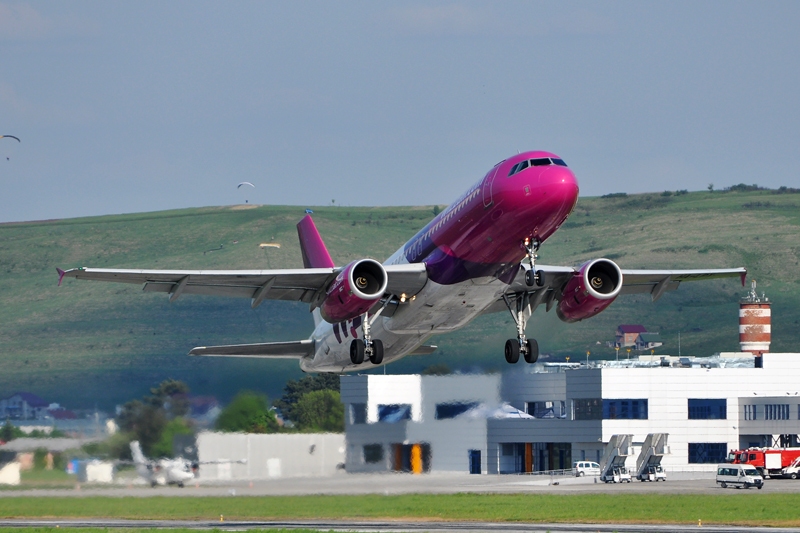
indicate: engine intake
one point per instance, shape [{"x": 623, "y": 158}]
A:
[
  {"x": 354, "y": 290},
  {"x": 596, "y": 284}
]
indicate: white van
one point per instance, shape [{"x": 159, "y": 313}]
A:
[
  {"x": 586, "y": 468},
  {"x": 740, "y": 475}
]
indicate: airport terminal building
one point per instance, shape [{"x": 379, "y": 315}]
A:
[{"x": 544, "y": 417}]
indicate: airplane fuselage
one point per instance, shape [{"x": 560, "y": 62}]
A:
[{"x": 472, "y": 250}]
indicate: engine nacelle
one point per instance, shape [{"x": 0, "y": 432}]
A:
[
  {"x": 595, "y": 286},
  {"x": 354, "y": 290}
]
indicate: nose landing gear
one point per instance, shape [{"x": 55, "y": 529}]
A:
[{"x": 532, "y": 277}]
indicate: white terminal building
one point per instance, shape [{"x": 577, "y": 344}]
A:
[{"x": 546, "y": 416}]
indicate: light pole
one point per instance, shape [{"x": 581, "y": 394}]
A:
[{"x": 617, "y": 349}]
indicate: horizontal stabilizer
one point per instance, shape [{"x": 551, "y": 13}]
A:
[{"x": 271, "y": 350}]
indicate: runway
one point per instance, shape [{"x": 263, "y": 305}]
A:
[{"x": 389, "y": 526}]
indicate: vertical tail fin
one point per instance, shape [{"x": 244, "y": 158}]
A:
[{"x": 315, "y": 255}]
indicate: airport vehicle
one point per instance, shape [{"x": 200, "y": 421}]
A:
[
  {"x": 586, "y": 468},
  {"x": 612, "y": 464},
  {"x": 648, "y": 464},
  {"x": 793, "y": 470},
  {"x": 768, "y": 461},
  {"x": 478, "y": 256},
  {"x": 739, "y": 475},
  {"x": 166, "y": 471},
  {"x": 616, "y": 474}
]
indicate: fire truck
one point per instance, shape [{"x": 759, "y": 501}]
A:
[{"x": 768, "y": 461}]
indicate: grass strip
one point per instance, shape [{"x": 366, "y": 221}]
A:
[{"x": 745, "y": 509}]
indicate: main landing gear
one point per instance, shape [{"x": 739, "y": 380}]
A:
[
  {"x": 529, "y": 348},
  {"x": 370, "y": 348},
  {"x": 532, "y": 277}
]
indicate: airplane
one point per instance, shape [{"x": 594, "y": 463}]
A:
[
  {"x": 476, "y": 257},
  {"x": 167, "y": 471},
  {"x": 163, "y": 471}
]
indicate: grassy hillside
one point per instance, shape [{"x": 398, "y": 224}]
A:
[{"x": 86, "y": 343}]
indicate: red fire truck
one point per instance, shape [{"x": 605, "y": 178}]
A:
[{"x": 768, "y": 461}]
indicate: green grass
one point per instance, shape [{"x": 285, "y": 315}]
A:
[
  {"x": 87, "y": 344},
  {"x": 744, "y": 509}
]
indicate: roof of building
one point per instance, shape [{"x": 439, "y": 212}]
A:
[
  {"x": 30, "y": 398},
  {"x": 63, "y": 414},
  {"x": 631, "y": 328}
]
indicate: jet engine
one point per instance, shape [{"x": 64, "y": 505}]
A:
[
  {"x": 596, "y": 284},
  {"x": 354, "y": 290}
]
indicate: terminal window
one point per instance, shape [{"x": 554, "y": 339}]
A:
[
  {"x": 394, "y": 412},
  {"x": 707, "y": 409},
  {"x": 776, "y": 411},
  {"x": 707, "y": 452},
  {"x": 358, "y": 413},
  {"x": 750, "y": 412},
  {"x": 373, "y": 453},
  {"x": 453, "y": 409},
  {"x": 587, "y": 409},
  {"x": 625, "y": 409}
]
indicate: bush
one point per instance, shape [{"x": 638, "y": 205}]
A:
[
  {"x": 248, "y": 412},
  {"x": 320, "y": 410}
]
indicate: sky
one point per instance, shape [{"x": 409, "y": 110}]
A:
[{"x": 145, "y": 106}]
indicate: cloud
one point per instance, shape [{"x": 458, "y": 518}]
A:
[
  {"x": 452, "y": 19},
  {"x": 21, "y": 22}
]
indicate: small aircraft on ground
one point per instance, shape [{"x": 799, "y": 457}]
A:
[
  {"x": 165, "y": 471},
  {"x": 478, "y": 256}
]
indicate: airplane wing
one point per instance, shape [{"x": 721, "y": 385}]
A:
[
  {"x": 654, "y": 282},
  {"x": 301, "y": 284},
  {"x": 271, "y": 350}
]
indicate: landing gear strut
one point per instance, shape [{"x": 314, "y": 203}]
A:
[
  {"x": 532, "y": 277},
  {"x": 529, "y": 348},
  {"x": 372, "y": 349}
]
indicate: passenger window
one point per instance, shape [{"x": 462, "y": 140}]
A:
[{"x": 540, "y": 162}]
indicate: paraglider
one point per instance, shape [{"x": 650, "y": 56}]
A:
[
  {"x": 245, "y": 183},
  {"x": 10, "y": 137}
]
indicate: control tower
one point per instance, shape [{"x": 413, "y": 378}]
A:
[{"x": 755, "y": 323}]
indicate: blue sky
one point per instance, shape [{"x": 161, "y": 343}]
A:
[{"x": 144, "y": 106}]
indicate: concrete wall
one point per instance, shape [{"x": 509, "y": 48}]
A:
[{"x": 270, "y": 456}]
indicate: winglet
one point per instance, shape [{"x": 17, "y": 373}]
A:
[
  {"x": 315, "y": 255},
  {"x": 61, "y": 275}
]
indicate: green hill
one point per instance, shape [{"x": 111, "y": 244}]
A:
[{"x": 88, "y": 343}]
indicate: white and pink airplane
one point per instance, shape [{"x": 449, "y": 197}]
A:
[{"x": 478, "y": 256}]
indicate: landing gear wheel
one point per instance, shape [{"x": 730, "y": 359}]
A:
[
  {"x": 512, "y": 351},
  {"x": 540, "y": 279},
  {"x": 357, "y": 351},
  {"x": 376, "y": 357},
  {"x": 530, "y": 278},
  {"x": 532, "y": 353}
]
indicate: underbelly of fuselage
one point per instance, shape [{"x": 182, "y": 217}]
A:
[{"x": 436, "y": 309}]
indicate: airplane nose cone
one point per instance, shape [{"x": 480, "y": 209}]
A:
[{"x": 561, "y": 185}]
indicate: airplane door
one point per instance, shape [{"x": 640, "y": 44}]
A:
[{"x": 487, "y": 186}]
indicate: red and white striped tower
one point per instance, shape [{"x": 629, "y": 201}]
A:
[{"x": 754, "y": 322}]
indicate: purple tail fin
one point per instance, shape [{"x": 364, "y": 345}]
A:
[{"x": 315, "y": 255}]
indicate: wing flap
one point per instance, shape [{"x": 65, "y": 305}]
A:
[{"x": 267, "y": 350}]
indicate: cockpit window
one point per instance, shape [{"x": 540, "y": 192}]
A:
[{"x": 538, "y": 162}]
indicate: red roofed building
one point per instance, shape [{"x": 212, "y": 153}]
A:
[{"x": 636, "y": 337}]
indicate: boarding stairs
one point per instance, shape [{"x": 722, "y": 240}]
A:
[
  {"x": 655, "y": 447},
  {"x": 612, "y": 465}
]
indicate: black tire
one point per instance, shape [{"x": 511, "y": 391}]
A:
[
  {"x": 357, "y": 351},
  {"x": 793, "y": 476},
  {"x": 723, "y": 485},
  {"x": 761, "y": 486},
  {"x": 581, "y": 473},
  {"x": 512, "y": 351},
  {"x": 180, "y": 485},
  {"x": 377, "y": 352},
  {"x": 153, "y": 483},
  {"x": 540, "y": 279},
  {"x": 530, "y": 276},
  {"x": 532, "y": 354}
]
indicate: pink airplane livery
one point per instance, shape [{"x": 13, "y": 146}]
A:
[{"x": 478, "y": 256}]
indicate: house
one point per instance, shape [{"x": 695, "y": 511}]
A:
[
  {"x": 23, "y": 406},
  {"x": 636, "y": 337}
]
